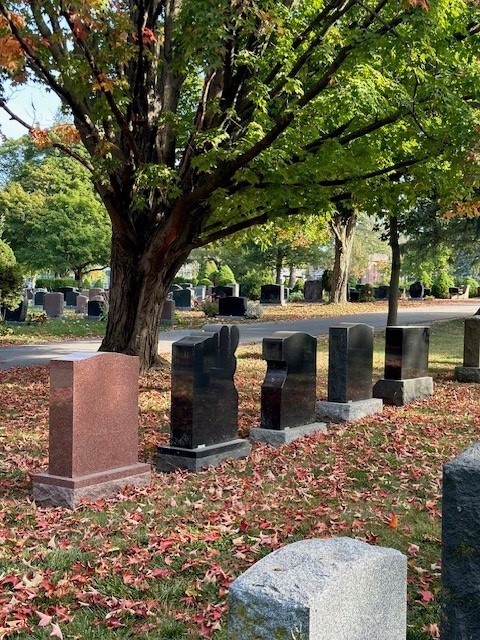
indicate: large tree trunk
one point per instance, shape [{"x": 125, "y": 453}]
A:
[
  {"x": 140, "y": 280},
  {"x": 279, "y": 267},
  {"x": 343, "y": 227},
  {"x": 395, "y": 272},
  {"x": 291, "y": 277}
]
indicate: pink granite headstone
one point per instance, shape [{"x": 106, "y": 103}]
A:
[
  {"x": 53, "y": 304},
  {"x": 94, "y": 293},
  {"x": 93, "y": 437},
  {"x": 82, "y": 302}
]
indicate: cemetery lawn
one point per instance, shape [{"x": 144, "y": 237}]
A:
[{"x": 156, "y": 563}]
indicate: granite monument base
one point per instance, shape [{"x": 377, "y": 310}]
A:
[
  {"x": 348, "y": 411},
  {"x": 60, "y": 491},
  {"x": 279, "y": 437},
  {"x": 467, "y": 374},
  {"x": 400, "y": 392},
  {"x": 172, "y": 458}
]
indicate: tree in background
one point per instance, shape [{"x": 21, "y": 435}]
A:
[
  {"x": 203, "y": 119},
  {"x": 53, "y": 220},
  {"x": 11, "y": 280}
]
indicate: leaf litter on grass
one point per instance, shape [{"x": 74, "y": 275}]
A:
[{"x": 157, "y": 562}]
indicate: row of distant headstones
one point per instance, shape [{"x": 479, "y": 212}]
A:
[{"x": 211, "y": 354}]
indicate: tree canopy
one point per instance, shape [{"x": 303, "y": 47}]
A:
[
  {"x": 52, "y": 218},
  {"x": 202, "y": 119}
]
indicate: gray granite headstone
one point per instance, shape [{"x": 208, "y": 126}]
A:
[
  {"x": 38, "y": 298},
  {"x": 350, "y": 362},
  {"x": 461, "y": 547},
  {"x": 313, "y": 291},
  {"x": 183, "y": 298},
  {"x": 333, "y": 589},
  {"x": 471, "y": 343},
  {"x": 53, "y": 304}
]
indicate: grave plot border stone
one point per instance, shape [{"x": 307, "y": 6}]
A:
[
  {"x": 289, "y": 390},
  {"x": 93, "y": 438},
  {"x": 333, "y": 589}
]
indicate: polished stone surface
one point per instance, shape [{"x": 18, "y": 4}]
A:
[
  {"x": 232, "y": 306},
  {"x": 348, "y": 411},
  {"x": 289, "y": 390},
  {"x": 350, "y": 362},
  {"x": 313, "y": 291},
  {"x": 53, "y": 304},
  {"x": 272, "y": 294},
  {"x": 19, "y": 314},
  {"x": 471, "y": 342},
  {"x": 183, "y": 298},
  {"x": 171, "y": 458},
  {"x": 406, "y": 352},
  {"x": 467, "y": 374},
  {"x": 204, "y": 408},
  {"x": 416, "y": 290},
  {"x": 93, "y": 423},
  {"x": 400, "y": 392}
]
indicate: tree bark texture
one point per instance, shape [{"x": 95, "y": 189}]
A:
[
  {"x": 343, "y": 227},
  {"x": 395, "y": 272}
]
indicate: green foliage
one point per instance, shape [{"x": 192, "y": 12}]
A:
[
  {"x": 441, "y": 285},
  {"x": 53, "y": 219},
  {"x": 224, "y": 276},
  {"x": 11, "y": 278},
  {"x": 296, "y": 296},
  {"x": 327, "y": 279},
  {"x": 35, "y": 316},
  {"x": 205, "y": 281},
  {"x": 299, "y": 285},
  {"x": 54, "y": 284},
  {"x": 207, "y": 269},
  {"x": 251, "y": 284},
  {"x": 366, "y": 295},
  {"x": 473, "y": 284},
  {"x": 210, "y": 308}
]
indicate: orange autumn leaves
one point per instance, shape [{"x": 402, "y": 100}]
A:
[{"x": 65, "y": 134}]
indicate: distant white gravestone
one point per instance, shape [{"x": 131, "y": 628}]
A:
[{"x": 333, "y": 589}]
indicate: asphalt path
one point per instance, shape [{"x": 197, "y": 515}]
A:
[{"x": 41, "y": 354}]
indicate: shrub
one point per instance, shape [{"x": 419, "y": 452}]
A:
[
  {"x": 296, "y": 296},
  {"x": 251, "y": 284},
  {"x": 52, "y": 284},
  {"x": 366, "y": 295},
  {"x": 254, "y": 310},
  {"x": 299, "y": 285},
  {"x": 441, "y": 285},
  {"x": 473, "y": 284},
  {"x": 37, "y": 317},
  {"x": 225, "y": 276},
  {"x": 210, "y": 308},
  {"x": 206, "y": 282},
  {"x": 327, "y": 280},
  {"x": 11, "y": 278}
]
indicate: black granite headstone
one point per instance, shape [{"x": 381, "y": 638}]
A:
[
  {"x": 427, "y": 292},
  {"x": 354, "y": 295},
  {"x": 381, "y": 293},
  {"x": 272, "y": 294},
  {"x": 406, "y": 352},
  {"x": 183, "y": 298},
  {"x": 71, "y": 298},
  {"x": 471, "y": 342},
  {"x": 65, "y": 290},
  {"x": 350, "y": 362},
  {"x": 222, "y": 292},
  {"x": 204, "y": 398},
  {"x": 19, "y": 314},
  {"x": 174, "y": 287},
  {"x": 186, "y": 285},
  {"x": 289, "y": 390},
  {"x": 95, "y": 308},
  {"x": 416, "y": 290},
  {"x": 232, "y": 306},
  {"x": 38, "y": 298},
  {"x": 460, "y": 618}
]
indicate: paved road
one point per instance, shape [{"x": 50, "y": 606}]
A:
[{"x": 31, "y": 355}]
